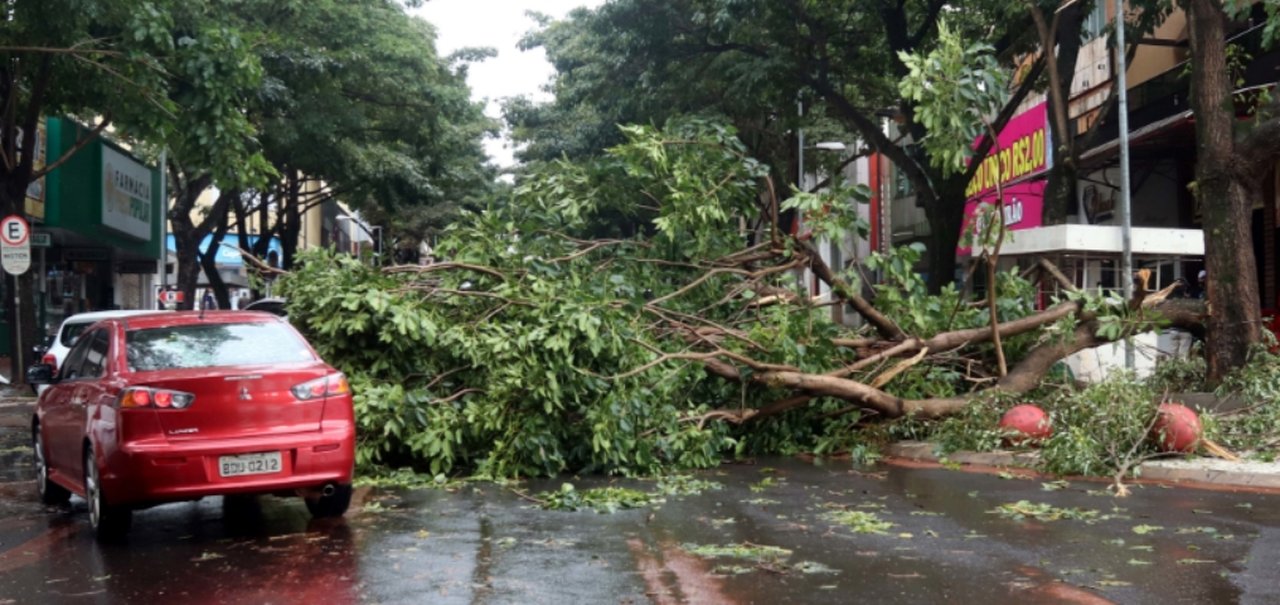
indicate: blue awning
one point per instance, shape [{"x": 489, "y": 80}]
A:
[{"x": 228, "y": 254}]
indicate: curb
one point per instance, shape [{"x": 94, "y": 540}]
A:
[
  {"x": 1245, "y": 474},
  {"x": 923, "y": 451},
  {"x": 1201, "y": 473}
]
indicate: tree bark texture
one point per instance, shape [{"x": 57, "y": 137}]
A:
[
  {"x": 1062, "y": 33},
  {"x": 1225, "y": 204},
  {"x": 187, "y": 234},
  {"x": 209, "y": 265},
  {"x": 291, "y": 221}
]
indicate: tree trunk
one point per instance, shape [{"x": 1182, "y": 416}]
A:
[
  {"x": 292, "y": 222},
  {"x": 209, "y": 260},
  {"x": 242, "y": 238},
  {"x": 1060, "y": 188},
  {"x": 187, "y": 249},
  {"x": 188, "y": 236},
  {"x": 1234, "y": 318},
  {"x": 946, "y": 217}
]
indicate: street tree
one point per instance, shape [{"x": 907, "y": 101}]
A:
[
  {"x": 1230, "y": 168},
  {"x": 631, "y": 60},
  {"x": 354, "y": 104},
  {"x": 148, "y": 70}
]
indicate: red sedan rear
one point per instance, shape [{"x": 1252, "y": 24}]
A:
[{"x": 177, "y": 406}]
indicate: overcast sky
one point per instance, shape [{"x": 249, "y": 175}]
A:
[{"x": 498, "y": 24}]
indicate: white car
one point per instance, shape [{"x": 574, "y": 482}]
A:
[{"x": 71, "y": 329}]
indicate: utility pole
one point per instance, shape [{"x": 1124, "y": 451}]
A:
[{"x": 1126, "y": 226}]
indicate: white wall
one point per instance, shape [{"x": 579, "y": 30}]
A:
[{"x": 1096, "y": 364}]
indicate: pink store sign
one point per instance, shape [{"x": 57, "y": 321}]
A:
[{"x": 1017, "y": 164}]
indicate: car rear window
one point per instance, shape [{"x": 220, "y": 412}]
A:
[{"x": 211, "y": 345}]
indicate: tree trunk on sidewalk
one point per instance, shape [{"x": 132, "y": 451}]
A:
[
  {"x": 208, "y": 259},
  {"x": 291, "y": 221},
  {"x": 1060, "y": 31},
  {"x": 1224, "y": 199},
  {"x": 186, "y": 235}
]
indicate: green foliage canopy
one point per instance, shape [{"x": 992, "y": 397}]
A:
[{"x": 534, "y": 350}]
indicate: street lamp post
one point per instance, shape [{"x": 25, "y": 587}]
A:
[{"x": 1126, "y": 220}]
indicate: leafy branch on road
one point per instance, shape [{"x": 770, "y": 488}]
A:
[{"x": 537, "y": 348}]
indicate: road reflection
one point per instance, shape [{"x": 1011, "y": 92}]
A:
[
  {"x": 262, "y": 550},
  {"x": 947, "y": 541}
]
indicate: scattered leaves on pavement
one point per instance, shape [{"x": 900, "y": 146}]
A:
[
  {"x": 860, "y": 521},
  {"x": 1041, "y": 511}
]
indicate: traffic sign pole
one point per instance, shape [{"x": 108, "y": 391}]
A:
[{"x": 15, "y": 258}]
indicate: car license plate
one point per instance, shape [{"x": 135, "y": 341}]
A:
[{"x": 249, "y": 464}]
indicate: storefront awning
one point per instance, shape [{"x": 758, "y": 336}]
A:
[{"x": 228, "y": 254}]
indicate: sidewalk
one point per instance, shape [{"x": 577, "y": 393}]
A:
[{"x": 1200, "y": 472}]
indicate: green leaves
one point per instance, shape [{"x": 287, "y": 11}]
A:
[
  {"x": 832, "y": 213},
  {"x": 600, "y": 499},
  {"x": 958, "y": 89},
  {"x": 1042, "y": 511}
]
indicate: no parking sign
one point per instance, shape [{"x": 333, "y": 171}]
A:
[{"x": 15, "y": 244}]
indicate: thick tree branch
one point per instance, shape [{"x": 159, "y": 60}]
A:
[{"x": 80, "y": 143}]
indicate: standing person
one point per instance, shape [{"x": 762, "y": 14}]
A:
[{"x": 208, "y": 303}]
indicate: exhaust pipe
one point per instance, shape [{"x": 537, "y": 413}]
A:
[{"x": 327, "y": 489}]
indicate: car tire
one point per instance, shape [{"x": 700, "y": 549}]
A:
[
  {"x": 333, "y": 505},
  {"x": 110, "y": 523},
  {"x": 50, "y": 492}
]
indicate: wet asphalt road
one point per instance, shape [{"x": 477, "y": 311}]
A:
[{"x": 486, "y": 544}]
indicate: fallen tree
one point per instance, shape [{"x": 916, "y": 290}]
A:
[{"x": 546, "y": 343}]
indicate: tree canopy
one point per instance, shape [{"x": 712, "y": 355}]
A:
[
  {"x": 163, "y": 74},
  {"x": 354, "y": 104},
  {"x": 754, "y": 62}
]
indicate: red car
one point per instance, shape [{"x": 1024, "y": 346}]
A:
[{"x": 176, "y": 406}]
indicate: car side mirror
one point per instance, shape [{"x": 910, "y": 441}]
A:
[{"x": 40, "y": 373}]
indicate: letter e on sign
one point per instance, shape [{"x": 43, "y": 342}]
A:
[{"x": 15, "y": 244}]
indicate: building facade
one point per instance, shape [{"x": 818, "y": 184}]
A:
[
  {"x": 1087, "y": 244},
  {"x": 96, "y": 220}
]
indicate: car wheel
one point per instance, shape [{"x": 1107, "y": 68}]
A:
[
  {"x": 108, "y": 522},
  {"x": 50, "y": 492},
  {"x": 332, "y": 505}
]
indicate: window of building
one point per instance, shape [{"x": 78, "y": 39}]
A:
[
  {"x": 1096, "y": 22},
  {"x": 901, "y": 184}
]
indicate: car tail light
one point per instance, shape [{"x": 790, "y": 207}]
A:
[
  {"x": 50, "y": 360},
  {"x": 146, "y": 397},
  {"x": 326, "y": 386}
]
